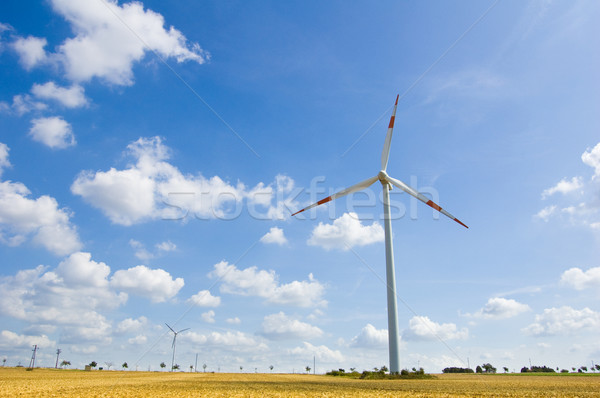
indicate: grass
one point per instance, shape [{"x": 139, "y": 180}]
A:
[{"x": 73, "y": 383}]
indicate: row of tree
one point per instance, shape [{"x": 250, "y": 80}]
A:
[{"x": 488, "y": 368}]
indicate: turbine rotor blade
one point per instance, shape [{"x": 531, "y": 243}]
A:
[
  {"x": 354, "y": 188},
  {"x": 385, "y": 154},
  {"x": 422, "y": 198},
  {"x": 170, "y": 327},
  {"x": 183, "y": 330}
]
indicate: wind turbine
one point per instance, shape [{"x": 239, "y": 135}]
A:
[
  {"x": 174, "y": 340},
  {"x": 387, "y": 182}
]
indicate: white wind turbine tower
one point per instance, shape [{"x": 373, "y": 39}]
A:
[
  {"x": 387, "y": 182},
  {"x": 174, "y": 341}
]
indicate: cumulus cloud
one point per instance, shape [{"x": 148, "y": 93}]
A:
[
  {"x": 564, "y": 186},
  {"x": 152, "y": 188},
  {"x": 423, "y": 328},
  {"x": 110, "y": 38},
  {"x": 72, "y": 97},
  {"x": 204, "y": 299},
  {"x": 583, "y": 208},
  {"x": 260, "y": 283},
  {"x": 39, "y": 219},
  {"x": 140, "y": 339},
  {"x": 4, "y": 162},
  {"x": 580, "y": 280},
  {"x": 563, "y": 321},
  {"x": 275, "y": 235},
  {"x": 140, "y": 250},
  {"x": 155, "y": 284},
  {"x": 31, "y": 50},
  {"x": 208, "y": 316},
  {"x": 233, "y": 321},
  {"x": 53, "y": 132},
  {"x": 281, "y": 327},
  {"x": 322, "y": 353},
  {"x": 591, "y": 157},
  {"x": 71, "y": 297},
  {"x": 235, "y": 341},
  {"x": 345, "y": 232},
  {"x": 131, "y": 325},
  {"x": 275, "y": 201},
  {"x": 166, "y": 246},
  {"x": 500, "y": 308},
  {"x": 10, "y": 341},
  {"x": 370, "y": 337},
  {"x": 22, "y": 104}
]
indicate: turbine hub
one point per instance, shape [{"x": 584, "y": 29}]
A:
[{"x": 383, "y": 176}]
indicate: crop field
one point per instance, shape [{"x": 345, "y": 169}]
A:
[{"x": 17, "y": 382}]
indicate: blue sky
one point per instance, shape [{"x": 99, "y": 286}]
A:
[{"x": 151, "y": 155}]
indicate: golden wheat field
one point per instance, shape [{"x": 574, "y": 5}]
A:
[{"x": 17, "y": 382}]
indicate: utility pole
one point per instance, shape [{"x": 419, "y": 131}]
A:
[
  {"x": 58, "y": 351},
  {"x": 32, "y": 362}
]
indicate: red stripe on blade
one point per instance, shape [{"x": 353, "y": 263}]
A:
[
  {"x": 458, "y": 221},
  {"x": 300, "y": 211},
  {"x": 327, "y": 199},
  {"x": 391, "y": 122},
  {"x": 397, "y": 96},
  {"x": 430, "y": 203}
]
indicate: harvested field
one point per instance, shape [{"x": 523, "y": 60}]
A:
[{"x": 17, "y": 382}]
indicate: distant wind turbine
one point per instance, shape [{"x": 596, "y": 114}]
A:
[
  {"x": 387, "y": 182},
  {"x": 174, "y": 341}
]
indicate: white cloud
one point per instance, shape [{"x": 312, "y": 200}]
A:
[
  {"x": 70, "y": 297},
  {"x": 22, "y": 104},
  {"x": 322, "y": 353},
  {"x": 31, "y": 50},
  {"x": 208, "y": 316},
  {"x": 345, "y": 232},
  {"x": 10, "y": 341},
  {"x": 131, "y": 325},
  {"x": 72, "y": 97},
  {"x": 261, "y": 283},
  {"x": 591, "y": 157},
  {"x": 563, "y": 321},
  {"x": 501, "y": 308},
  {"x": 236, "y": 341},
  {"x": 279, "y": 199},
  {"x": 564, "y": 186},
  {"x": 580, "y": 280},
  {"x": 140, "y": 339},
  {"x": 52, "y": 131},
  {"x": 166, "y": 246},
  {"x": 4, "y": 162},
  {"x": 155, "y": 284},
  {"x": 39, "y": 219},
  {"x": 370, "y": 337},
  {"x": 140, "y": 250},
  {"x": 110, "y": 38},
  {"x": 275, "y": 235},
  {"x": 280, "y": 327},
  {"x": 204, "y": 299},
  {"x": 423, "y": 328},
  {"x": 233, "y": 321},
  {"x": 546, "y": 212},
  {"x": 153, "y": 188}
]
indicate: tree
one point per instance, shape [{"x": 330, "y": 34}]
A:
[
  {"x": 93, "y": 364},
  {"x": 4, "y": 362},
  {"x": 204, "y": 367},
  {"x": 489, "y": 368},
  {"x": 191, "y": 368},
  {"x": 352, "y": 370},
  {"x": 596, "y": 366},
  {"x": 383, "y": 369},
  {"x": 307, "y": 369},
  {"x": 241, "y": 368},
  {"x": 271, "y": 367},
  {"x": 584, "y": 368},
  {"x": 124, "y": 366},
  {"x": 505, "y": 369},
  {"x": 65, "y": 363},
  {"x": 176, "y": 367},
  {"x": 163, "y": 365},
  {"x": 478, "y": 369}
]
